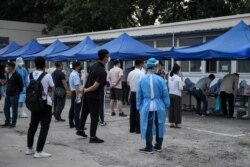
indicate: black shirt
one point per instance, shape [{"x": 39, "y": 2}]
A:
[
  {"x": 96, "y": 73},
  {"x": 14, "y": 84},
  {"x": 58, "y": 76}
]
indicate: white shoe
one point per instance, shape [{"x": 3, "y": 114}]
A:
[
  {"x": 23, "y": 115},
  {"x": 42, "y": 154},
  {"x": 29, "y": 151}
]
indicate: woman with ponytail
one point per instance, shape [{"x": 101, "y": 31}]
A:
[{"x": 175, "y": 87}]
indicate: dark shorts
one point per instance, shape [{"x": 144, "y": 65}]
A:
[{"x": 115, "y": 94}]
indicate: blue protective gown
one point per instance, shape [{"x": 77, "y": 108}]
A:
[
  {"x": 25, "y": 77},
  {"x": 143, "y": 99}
]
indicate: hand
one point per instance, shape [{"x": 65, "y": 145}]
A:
[{"x": 68, "y": 93}]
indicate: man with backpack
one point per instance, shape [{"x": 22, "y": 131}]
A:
[{"x": 39, "y": 103}]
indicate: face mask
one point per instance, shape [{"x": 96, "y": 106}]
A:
[
  {"x": 109, "y": 59},
  {"x": 6, "y": 69}
]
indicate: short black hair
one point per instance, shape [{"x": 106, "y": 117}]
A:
[
  {"x": 40, "y": 62},
  {"x": 58, "y": 64},
  {"x": 211, "y": 76},
  {"x": 102, "y": 53},
  {"x": 138, "y": 62},
  {"x": 237, "y": 74},
  {"x": 75, "y": 64},
  {"x": 116, "y": 62},
  {"x": 11, "y": 64}
]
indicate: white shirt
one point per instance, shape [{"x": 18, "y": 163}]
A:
[
  {"x": 74, "y": 80},
  {"x": 114, "y": 75},
  {"x": 175, "y": 85},
  {"x": 133, "y": 79},
  {"x": 47, "y": 82}
]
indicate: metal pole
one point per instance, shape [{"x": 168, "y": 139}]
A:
[{"x": 172, "y": 59}]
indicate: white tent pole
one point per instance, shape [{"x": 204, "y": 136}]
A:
[{"x": 173, "y": 40}]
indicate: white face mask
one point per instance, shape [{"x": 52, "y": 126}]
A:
[
  {"x": 109, "y": 59},
  {"x": 6, "y": 69}
]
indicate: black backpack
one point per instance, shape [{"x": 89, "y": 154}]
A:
[{"x": 34, "y": 93}]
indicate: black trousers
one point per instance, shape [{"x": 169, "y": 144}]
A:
[
  {"x": 59, "y": 104},
  {"x": 134, "y": 114},
  {"x": 125, "y": 89},
  {"x": 44, "y": 118},
  {"x": 90, "y": 106},
  {"x": 226, "y": 97},
  {"x": 102, "y": 107},
  {"x": 74, "y": 111},
  {"x": 175, "y": 113}
]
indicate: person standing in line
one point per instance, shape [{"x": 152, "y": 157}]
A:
[
  {"x": 61, "y": 90},
  {"x": 25, "y": 77},
  {"x": 125, "y": 86},
  {"x": 114, "y": 78},
  {"x": 199, "y": 91},
  {"x": 152, "y": 100},
  {"x": 228, "y": 91},
  {"x": 14, "y": 88},
  {"x": 76, "y": 99},
  {"x": 133, "y": 79},
  {"x": 94, "y": 87},
  {"x": 175, "y": 86},
  {"x": 44, "y": 115}
]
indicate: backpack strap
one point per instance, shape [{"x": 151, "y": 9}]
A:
[
  {"x": 31, "y": 76},
  {"x": 39, "y": 79}
]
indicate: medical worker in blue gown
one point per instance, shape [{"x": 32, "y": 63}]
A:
[
  {"x": 152, "y": 102},
  {"x": 25, "y": 76}
]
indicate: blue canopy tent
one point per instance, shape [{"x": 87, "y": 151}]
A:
[
  {"x": 9, "y": 48},
  {"x": 30, "y": 48},
  {"x": 232, "y": 45},
  {"x": 70, "y": 55},
  {"x": 55, "y": 47},
  {"x": 124, "y": 48}
]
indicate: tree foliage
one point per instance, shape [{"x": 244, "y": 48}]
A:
[{"x": 95, "y": 15}]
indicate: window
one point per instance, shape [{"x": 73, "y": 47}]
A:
[
  {"x": 243, "y": 66},
  {"x": 185, "y": 66},
  {"x": 148, "y": 42},
  {"x": 190, "y": 41},
  {"x": 195, "y": 66},
  {"x": 168, "y": 65},
  {"x": 224, "y": 66},
  {"x": 4, "y": 41},
  {"x": 209, "y": 38},
  {"x": 211, "y": 66},
  {"x": 165, "y": 43},
  {"x": 128, "y": 64}
]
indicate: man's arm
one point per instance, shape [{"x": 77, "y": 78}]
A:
[{"x": 92, "y": 88}]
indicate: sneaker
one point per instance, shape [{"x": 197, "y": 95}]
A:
[
  {"x": 81, "y": 133},
  {"x": 59, "y": 120},
  {"x": 41, "y": 154},
  {"x": 6, "y": 125},
  {"x": 102, "y": 123},
  {"x": 23, "y": 115},
  {"x": 29, "y": 151},
  {"x": 122, "y": 114},
  {"x": 157, "y": 149},
  {"x": 95, "y": 140},
  {"x": 113, "y": 114},
  {"x": 147, "y": 151}
]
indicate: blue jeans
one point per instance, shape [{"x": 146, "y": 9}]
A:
[
  {"x": 200, "y": 98},
  {"x": 149, "y": 134},
  {"x": 11, "y": 101}
]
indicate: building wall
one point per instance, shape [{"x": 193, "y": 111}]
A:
[{"x": 21, "y": 32}]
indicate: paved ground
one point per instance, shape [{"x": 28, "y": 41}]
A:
[{"x": 203, "y": 142}]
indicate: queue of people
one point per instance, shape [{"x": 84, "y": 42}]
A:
[{"x": 152, "y": 94}]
